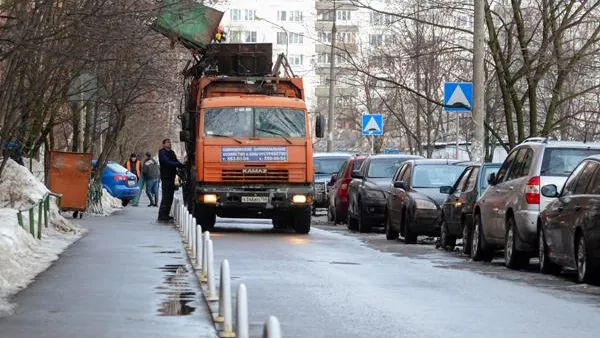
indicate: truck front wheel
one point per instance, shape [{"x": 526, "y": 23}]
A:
[
  {"x": 205, "y": 217},
  {"x": 302, "y": 221}
]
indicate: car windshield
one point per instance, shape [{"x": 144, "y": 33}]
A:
[
  {"x": 254, "y": 122},
  {"x": 435, "y": 175},
  {"x": 117, "y": 168},
  {"x": 562, "y": 161},
  {"x": 328, "y": 165},
  {"x": 384, "y": 167},
  {"x": 486, "y": 173}
]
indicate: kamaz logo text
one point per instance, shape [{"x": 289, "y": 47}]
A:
[{"x": 254, "y": 171}]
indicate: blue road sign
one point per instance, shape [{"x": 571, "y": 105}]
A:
[
  {"x": 458, "y": 96},
  {"x": 372, "y": 124}
]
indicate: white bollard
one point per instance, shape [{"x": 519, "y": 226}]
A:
[
  {"x": 193, "y": 239},
  {"x": 225, "y": 314},
  {"x": 272, "y": 329},
  {"x": 199, "y": 246},
  {"x": 211, "y": 292},
  {"x": 203, "y": 274},
  {"x": 242, "y": 326},
  {"x": 181, "y": 214}
]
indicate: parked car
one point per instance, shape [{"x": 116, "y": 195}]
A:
[
  {"x": 366, "y": 194},
  {"x": 119, "y": 182},
  {"x": 337, "y": 211},
  {"x": 569, "y": 227},
  {"x": 414, "y": 202},
  {"x": 507, "y": 213},
  {"x": 457, "y": 211},
  {"x": 325, "y": 165}
]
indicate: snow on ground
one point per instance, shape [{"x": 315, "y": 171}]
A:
[
  {"x": 22, "y": 256},
  {"x": 110, "y": 204}
]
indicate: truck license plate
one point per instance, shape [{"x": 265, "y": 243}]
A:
[{"x": 255, "y": 199}]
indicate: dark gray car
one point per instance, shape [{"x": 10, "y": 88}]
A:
[
  {"x": 366, "y": 194},
  {"x": 414, "y": 201}
]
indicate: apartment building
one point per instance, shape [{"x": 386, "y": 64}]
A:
[{"x": 287, "y": 24}]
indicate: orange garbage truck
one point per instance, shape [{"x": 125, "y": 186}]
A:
[
  {"x": 247, "y": 134},
  {"x": 244, "y": 124}
]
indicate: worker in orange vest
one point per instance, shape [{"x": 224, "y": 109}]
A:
[{"x": 135, "y": 166}]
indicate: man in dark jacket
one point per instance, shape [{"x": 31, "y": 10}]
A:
[
  {"x": 151, "y": 175},
  {"x": 168, "y": 170}
]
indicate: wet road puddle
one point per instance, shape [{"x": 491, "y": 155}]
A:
[{"x": 177, "y": 292}]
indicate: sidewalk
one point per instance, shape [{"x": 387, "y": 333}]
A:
[{"x": 129, "y": 277}]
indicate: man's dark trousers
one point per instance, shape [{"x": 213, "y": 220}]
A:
[{"x": 168, "y": 190}]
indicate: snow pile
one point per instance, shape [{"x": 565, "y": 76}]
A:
[
  {"x": 22, "y": 256},
  {"x": 35, "y": 167},
  {"x": 110, "y": 204}
]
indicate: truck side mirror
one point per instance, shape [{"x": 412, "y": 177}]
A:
[
  {"x": 184, "y": 136},
  {"x": 320, "y": 126}
]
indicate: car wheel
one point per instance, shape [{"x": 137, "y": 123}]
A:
[
  {"x": 585, "y": 270},
  {"x": 124, "y": 203},
  {"x": 546, "y": 265},
  {"x": 364, "y": 224},
  {"x": 390, "y": 233},
  {"x": 409, "y": 236},
  {"x": 352, "y": 222},
  {"x": 466, "y": 237},
  {"x": 447, "y": 240},
  {"x": 513, "y": 258},
  {"x": 479, "y": 252}
]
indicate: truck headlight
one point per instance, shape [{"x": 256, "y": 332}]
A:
[
  {"x": 424, "y": 204},
  {"x": 299, "y": 199},
  {"x": 210, "y": 198}
]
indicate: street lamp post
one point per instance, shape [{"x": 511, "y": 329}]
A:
[{"x": 287, "y": 34}]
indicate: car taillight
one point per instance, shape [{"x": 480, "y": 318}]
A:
[
  {"x": 343, "y": 192},
  {"x": 120, "y": 178},
  {"x": 532, "y": 191}
]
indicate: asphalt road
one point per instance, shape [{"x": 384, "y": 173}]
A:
[
  {"x": 333, "y": 283},
  {"x": 128, "y": 277}
]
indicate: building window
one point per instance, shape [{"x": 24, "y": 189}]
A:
[
  {"x": 346, "y": 37},
  {"x": 281, "y": 38},
  {"x": 325, "y": 15},
  {"x": 292, "y": 16},
  {"x": 282, "y": 15},
  {"x": 296, "y": 38},
  {"x": 249, "y": 14},
  {"x": 250, "y": 37},
  {"x": 376, "y": 40},
  {"x": 296, "y": 60},
  {"x": 323, "y": 58},
  {"x": 325, "y": 37},
  {"x": 381, "y": 19},
  {"x": 235, "y": 36},
  {"x": 236, "y": 14},
  {"x": 344, "y": 15}
]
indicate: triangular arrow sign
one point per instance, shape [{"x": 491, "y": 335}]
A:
[
  {"x": 458, "y": 98},
  {"x": 372, "y": 126}
]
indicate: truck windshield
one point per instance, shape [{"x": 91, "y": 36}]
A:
[{"x": 255, "y": 122}]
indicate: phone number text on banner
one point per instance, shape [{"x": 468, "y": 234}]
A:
[{"x": 254, "y": 154}]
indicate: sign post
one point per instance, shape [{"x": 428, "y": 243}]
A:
[
  {"x": 458, "y": 98},
  {"x": 372, "y": 124}
]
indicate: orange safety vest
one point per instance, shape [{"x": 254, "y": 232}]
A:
[{"x": 137, "y": 167}]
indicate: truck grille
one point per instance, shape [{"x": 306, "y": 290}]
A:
[
  {"x": 238, "y": 175},
  {"x": 320, "y": 187}
]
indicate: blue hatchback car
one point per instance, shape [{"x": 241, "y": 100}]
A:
[{"x": 119, "y": 182}]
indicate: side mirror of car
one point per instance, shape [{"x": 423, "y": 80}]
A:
[
  {"x": 492, "y": 179},
  {"x": 333, "y": 179},
  {"x": 446, "y": 190},
  {"x": 320, "y": 126},
  {"x": 357, "y": 174},
  {"x": 400, "y": 185},
  {"x": 550, "y": 191}
]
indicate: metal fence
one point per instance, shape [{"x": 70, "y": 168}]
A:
[{"x": 43, "y": 208}]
